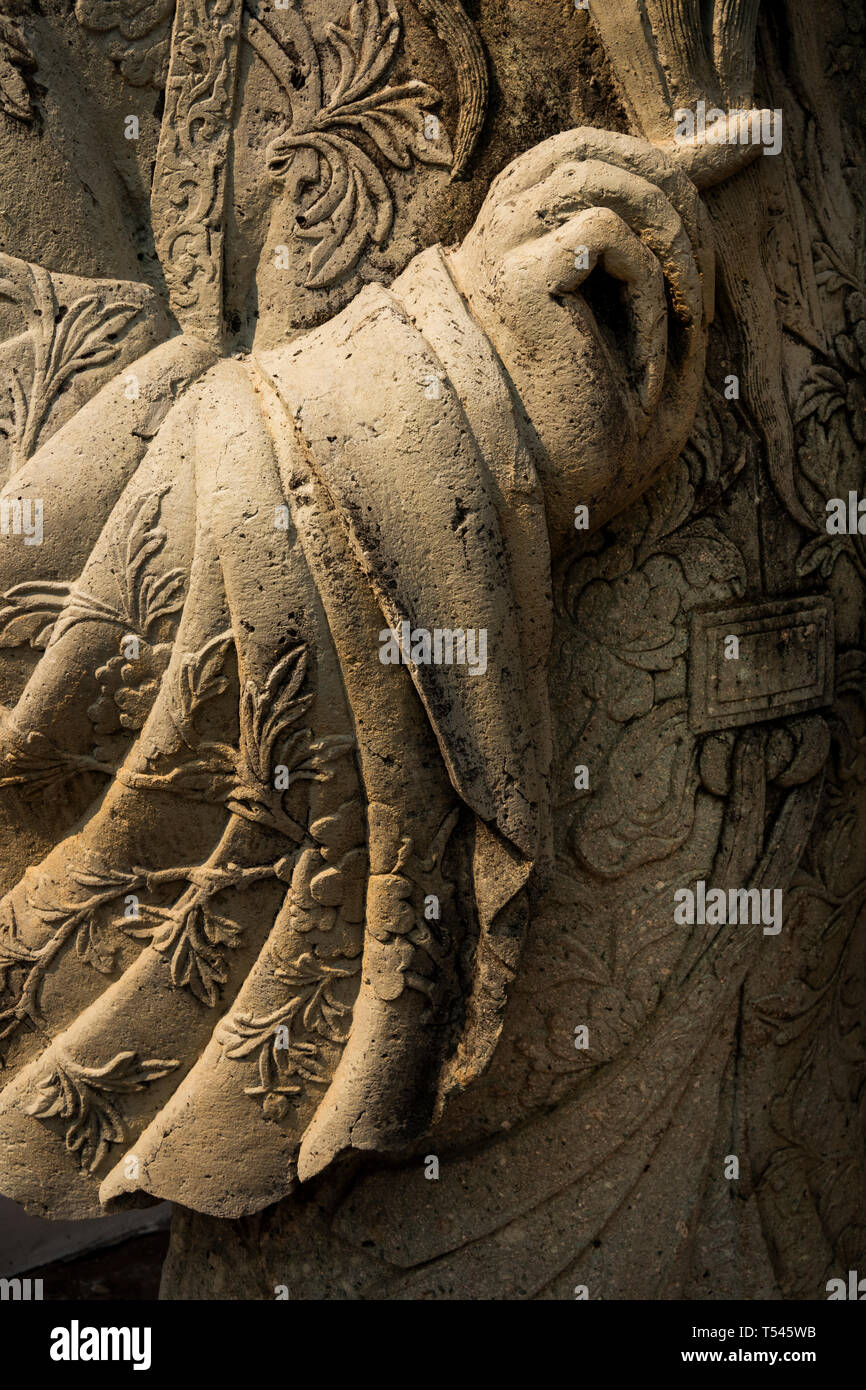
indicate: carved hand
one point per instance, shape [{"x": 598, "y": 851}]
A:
[{"x": 590, "y": 269}]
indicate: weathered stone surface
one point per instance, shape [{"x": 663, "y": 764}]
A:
[{"x": 430, "y": 785}]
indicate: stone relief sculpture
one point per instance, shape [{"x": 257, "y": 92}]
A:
[{"x": 379, "y": 514}]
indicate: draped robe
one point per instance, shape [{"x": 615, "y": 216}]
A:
[{"x": 286, "y": 919}]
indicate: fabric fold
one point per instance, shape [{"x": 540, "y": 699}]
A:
[{"x": 293, "y": 911}]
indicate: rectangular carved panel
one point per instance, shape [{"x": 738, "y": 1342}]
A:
[{"x": 784, "y": 664}]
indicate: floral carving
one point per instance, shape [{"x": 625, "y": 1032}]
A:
[
  {"x": 71, "y": 917},
  {"x": 127, "y": 690},
  {"x": 285, "y": 1061},
  {"x": 244, "y": 777},
  {"x": 28, "y": 758},
  {"x": 190, "y": 175},
  {"x": 192, "y": 934},
  {"x": 623, "y": 610},
  {"x": 326, "y": 883},
  {"x": 814, "y": 1016},
  {"x": 194, "y": 937},
  {"x": 30, "y": 612},
  {"x": 61, "y": 344},
  {"x": 405, "y": 950},
  {"x": 145, "y": 605},
  {"x": 86, "y": 1099},
  {"x": 352, "y": 205},
  {"x": 146, "y": 598},
  {"x": 627, "y": 603},
  {"x": 628, "y": 607}
]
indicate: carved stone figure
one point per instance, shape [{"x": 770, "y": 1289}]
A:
[{"x": 389, "y": 470}]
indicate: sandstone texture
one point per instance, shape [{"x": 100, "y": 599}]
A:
[{"x": 433, "y": 639}]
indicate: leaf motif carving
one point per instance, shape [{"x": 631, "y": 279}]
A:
[
  {"x": 72, "y": 916},
  {"x": 198, "y": 678},
  {"x": 28, "y": 758},
  {"x": 30, "y": 612},
  {"x": 14, "y": 955},
  {"x": 62, "y": 344},
  {"x": 193, "y": 940},
  {"x": 316, "y": 1006},
  {"x": 190, "y": 177},
  {"x": 86, "y": 1100},
  {"x": 192, "y": 935},
  {"x": 648, "y": 808},
  {"x": 269, "y": 739},
  {"x": 830, "y": 419},
  {"x": 830, "y": 271},
  {"x": 146, "y": 600},
  {"x": 353, "y": 206},
  {"x": 243, "y": 777}
]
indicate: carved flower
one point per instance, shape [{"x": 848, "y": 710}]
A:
[
  {"x": 127, "y": 690},
  {"x": 316, "y": 1006},
  {"x": 627, "y": 600},
  {"x": 626, "y": 632},
  {"x": 645, "y": 808},
  {"x": 329, "y": 878},
  {"x": 830, "y": 417}
]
